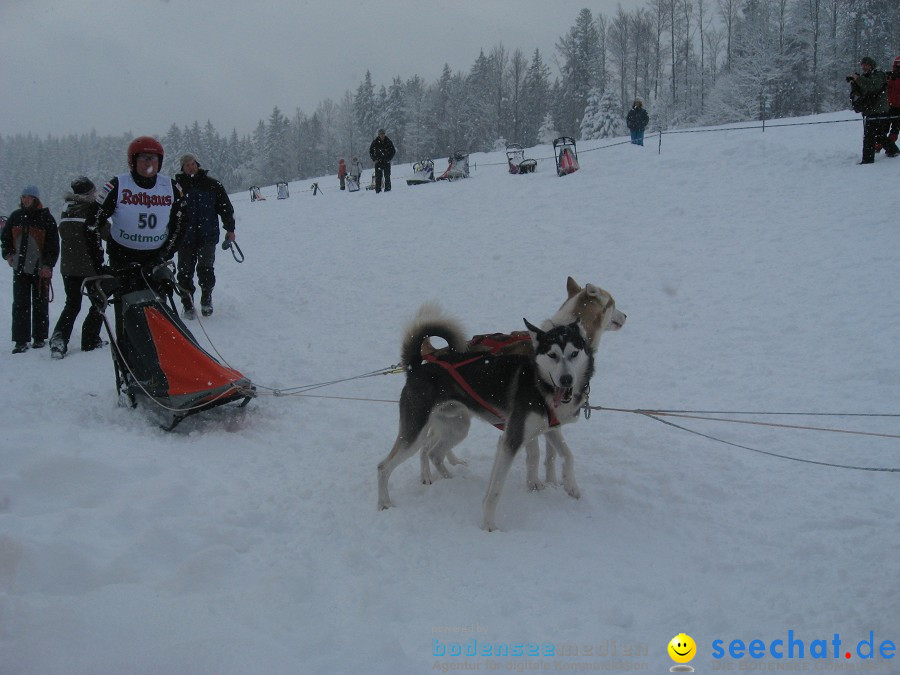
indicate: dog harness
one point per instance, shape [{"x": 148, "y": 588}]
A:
[{"x": 494, "y": 342}]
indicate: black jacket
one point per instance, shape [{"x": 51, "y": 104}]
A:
[
  {"x": 205, "y": 202},
  {"x": 637, "y": 119},
  {"x": 382, "y": 150}
]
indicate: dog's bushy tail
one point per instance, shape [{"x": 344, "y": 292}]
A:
[{"x": 430, "y": 321}]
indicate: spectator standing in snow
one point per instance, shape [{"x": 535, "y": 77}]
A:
[
  {"x": 637, "y": 120},
  {"x": 75, "y": 265},
  {"x": 894, "y": 100},
  {"x": 355, "y": 171},
  {"x": 382, "y": 152},
  {"x": 205, "y": 202},
  {"x": 30, "y": 245},
  {"x": 342, "y": 173},
  {"x": 870, "y": 98}
]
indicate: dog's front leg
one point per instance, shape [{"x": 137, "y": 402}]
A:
[
  {"x": 502, "y": 461},
  {"x": 557, "y": 444},
  {"x": 532, "y": 460},
  {"x": 550, "y": 461}
]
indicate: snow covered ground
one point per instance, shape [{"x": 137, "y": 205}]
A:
[{"x": 759, "y": 272}]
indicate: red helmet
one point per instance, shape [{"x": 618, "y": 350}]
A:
[{"x": 144, "y": 144}]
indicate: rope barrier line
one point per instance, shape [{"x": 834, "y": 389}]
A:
[
  {"x": 766, "y": 452},
  {"x": 762, "y": 126},
  {"x": 686, "y": 415}
]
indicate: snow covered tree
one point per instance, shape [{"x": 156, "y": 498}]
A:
[
  {"x": 535, "y": 100},
  {"x": 547, "y": 132},
  {"x": 602, "y": 118}
]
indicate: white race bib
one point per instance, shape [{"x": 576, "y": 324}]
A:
[{"x": 141, "y": 218}]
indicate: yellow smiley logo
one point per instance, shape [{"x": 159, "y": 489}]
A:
[{"x": 682, "y": 648}]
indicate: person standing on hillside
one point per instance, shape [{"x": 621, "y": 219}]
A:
[
  {"x": 382, "y": 152},
  {"x": 893, "y": 92},
  {"x": 637, "y": 120},
  {"x": 342, "y": 173},
  {"x": 870, "y": 99},
  {"x": 30, "y": 244},
  {"x": 206, "y": 202},
  {"x": 76, "y": 265}
]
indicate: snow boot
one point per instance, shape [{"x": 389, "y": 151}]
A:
[
  {"x": 20, "y": 348},
  {"x": 57, "y": 347},
  {"x": 206, "y": 306}
]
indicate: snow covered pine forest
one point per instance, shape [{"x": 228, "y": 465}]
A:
[{"x": 755, "y": 278}]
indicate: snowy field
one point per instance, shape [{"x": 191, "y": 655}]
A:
[{"x": 759, "y": 272}]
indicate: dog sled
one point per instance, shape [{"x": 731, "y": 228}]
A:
[
  {"x": 156, "y": 358},
  {"x": 282, "y": 189},
  {"x": 352, "y": 183},
  {"x": 566, "y": 155},
  {"x": 515, "y": 157},
  {"x": 458, "y": 167},
  {"x": 423, "y": 172},
  {"x": 256, "y": 194}
]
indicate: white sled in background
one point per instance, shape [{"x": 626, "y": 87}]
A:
[
  {"x": 256, "y": 194},
  {"x": 423, "y": 172},
  {"x": 457, "y": 168},
  {"x": 515, "y": 156},
  {"x": 282, "y": 188}
]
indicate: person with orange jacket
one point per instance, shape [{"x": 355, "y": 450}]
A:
[{"x": 342, "y": 173}]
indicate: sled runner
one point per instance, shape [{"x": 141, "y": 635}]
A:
[
  {"x": 566, "y": 155},
  {"x": 423, "y": 172},
  {"x": 282, "y": 189},
  {"x": 458, "y": 167},
  {"x": 515, "y": 157},
  {"x": 156, "y": 358},
  {"x": 256, "y": 194}
]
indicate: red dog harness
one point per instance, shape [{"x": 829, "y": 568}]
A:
[{"x": 494, "y": 342}]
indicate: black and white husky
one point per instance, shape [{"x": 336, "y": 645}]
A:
[{"x": 525, "y": 394}]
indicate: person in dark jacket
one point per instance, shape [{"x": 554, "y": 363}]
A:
[
  {"x": 206, "y": 201},
  {"x": 870, "y": 99},
  {"x": 75, "y": 266},
  {"x": 637, "y": 120},
  {"x": 382, "y": 152},
  {"x": 30, "y": 245}
]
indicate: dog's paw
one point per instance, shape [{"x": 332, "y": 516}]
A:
[
  {"x": 489, "y": 526},
  {"x": 456, "y": 461},
  {"x": 573, "y": 491},
  {"x": 535, "y": 485},
  {"x": 385, "y": 505}
]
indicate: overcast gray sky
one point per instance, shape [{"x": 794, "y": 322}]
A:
[{"x": 114, "y": 66}]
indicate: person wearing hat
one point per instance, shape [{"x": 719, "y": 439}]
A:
[
  {"x": 30, "y": 245},
  {"x": 637, "y": 121},
  {"x": 869, "y": 92},
  {"x": 893, "y": 92},
  {"x": 76, "y": 265},
  {"x": 382, "y": 152},
  {"x": 206, "y": 201}
]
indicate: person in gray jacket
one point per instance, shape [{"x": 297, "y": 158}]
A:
[{"x": 76, "y": 265}]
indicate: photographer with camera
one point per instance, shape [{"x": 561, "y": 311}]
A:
[{"x": 869, "y": 95}]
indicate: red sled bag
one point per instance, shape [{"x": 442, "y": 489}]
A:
[{"x": 157, "y": 360}]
